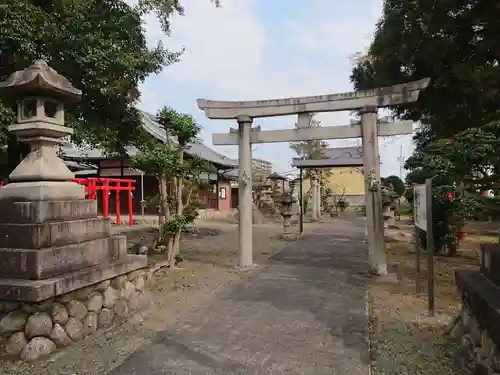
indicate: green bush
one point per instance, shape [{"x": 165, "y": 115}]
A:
[
  {"x": 342, "y": 204},
  {"x": 190, "y": 214},
  {"x": 404, "y": 210},
  {"x": 305, "y": 199},
  {"x": 448, "y": 219},
  {"x": 179, "y": 258}
]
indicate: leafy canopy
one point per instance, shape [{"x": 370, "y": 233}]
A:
[
  {"x": 454, "y": 42},
  {"x": 313, "y": 150},
  {"x": 179, "y": 125},
  {"x": 158, "y": 158},
  {"x": 395, "y": 183},
  {"x": 100, "y": 46}
]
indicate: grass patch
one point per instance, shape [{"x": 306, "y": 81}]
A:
[
  {"x": 404, "y": 339},
  {"x": 481, "y": 238}
]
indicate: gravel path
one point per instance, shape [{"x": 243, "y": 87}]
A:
[
  {"x": 305, "y": 313},
  {"x": 301, "y": 312}
]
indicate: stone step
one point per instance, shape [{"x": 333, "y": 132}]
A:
[
  {"x": 37, "y": 264},
  {"x": 40, "y": 290},
  {"x": 482, "y": 298},
  {"x": 490, "y": 262},
  {"x": 45, "y": 211},
  {"x": 50, "y": 234}
]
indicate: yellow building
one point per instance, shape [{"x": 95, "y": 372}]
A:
[{"x": 345, "y": 177}]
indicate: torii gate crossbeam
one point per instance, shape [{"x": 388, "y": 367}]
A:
[
  {"x": 366, "y": 102},
  {"x": 385, "y": 129}
]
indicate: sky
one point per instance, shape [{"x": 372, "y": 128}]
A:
[{"x": 263, "y": 49}]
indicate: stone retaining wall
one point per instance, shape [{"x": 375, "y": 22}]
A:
[
  {"x": 34, "y": 330},
  {"x": 477, "y": 349}
]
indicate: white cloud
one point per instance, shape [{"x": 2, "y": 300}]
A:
[
  {"x": 227, "y": 48},
  {"x": 238, "y": 53},
  {"x": 223, "y": 45}
]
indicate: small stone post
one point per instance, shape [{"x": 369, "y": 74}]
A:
[
  {"x": 318, "y": 195},
  {"x": 314, "y": 197}
]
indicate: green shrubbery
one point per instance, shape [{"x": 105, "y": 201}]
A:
[
  {"x": 342, "y": 205},
  {"x": 448, "y": 218}
]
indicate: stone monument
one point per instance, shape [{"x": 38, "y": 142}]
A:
[{"x": 53, "y": 242}]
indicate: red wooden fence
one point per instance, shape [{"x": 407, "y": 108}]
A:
[{"x": 107, "y": 186}]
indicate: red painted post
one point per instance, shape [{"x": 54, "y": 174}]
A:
[
  {"x": 92, "y": 183},
  {"x": 105, "y": 198},
  {"x": 117, "y": 190},
  {"x": 130, "y": 208}
]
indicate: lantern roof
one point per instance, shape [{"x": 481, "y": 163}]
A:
[{"x": 40, "y": 79}]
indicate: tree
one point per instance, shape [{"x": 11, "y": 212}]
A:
[
  {"x": 160, "y": 160},
  {"x": 178, "y": 177},
  {"x": 100, "y": 46},
  {"x": 395, "y": 183},
  {"x": 312, "y": 150},
  {"x": 453, "y": 43},
  {"x": 462, "y": 174}
]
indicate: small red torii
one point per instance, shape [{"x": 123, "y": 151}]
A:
[{"x": 107, "y": 185}]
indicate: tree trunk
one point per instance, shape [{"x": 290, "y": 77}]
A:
[
  {"x": 179, "y": 209},
  {"x": 170, "y": 250},
  {"x": 164, "y": 209}
]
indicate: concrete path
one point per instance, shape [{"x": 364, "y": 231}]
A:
[{"x": 304, "y": 313}]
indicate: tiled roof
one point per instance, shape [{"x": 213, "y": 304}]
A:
[
  {"x": 335, "y": 157},
  {"x": 156, "y": 130},
  {"x": 345, "y": 154},
  {"x": 195, "y": 149}
]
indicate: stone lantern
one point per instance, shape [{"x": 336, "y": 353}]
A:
[
  {"x": 53, "y": 241},
  {"x": 267, "y": 192},
  {"x": 41, "y": 93},
  {"x": 287, "y": 201}
]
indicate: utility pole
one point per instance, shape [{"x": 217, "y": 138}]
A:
[{"x": 401, "y": 160}]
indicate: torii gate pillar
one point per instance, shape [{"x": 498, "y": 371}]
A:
[
  {"x": 245, "y": 201},
  {"x": 373, "y": 192}
]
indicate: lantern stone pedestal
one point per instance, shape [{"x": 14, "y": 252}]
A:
[
  {"x": 60, "y": 266},
  {"x": 287, "y": 201}
]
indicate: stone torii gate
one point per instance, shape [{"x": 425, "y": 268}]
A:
[{"x": 366, "y": 102}]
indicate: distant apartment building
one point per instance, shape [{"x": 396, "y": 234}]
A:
[{"x": 262, "y": 166}]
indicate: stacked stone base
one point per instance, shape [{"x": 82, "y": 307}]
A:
[
  {"x": 477, "y": 326},
  {"x": 476, "y": 348},
  {"x": 31, "y": 330},
  {"x": 63, "y": 275}
]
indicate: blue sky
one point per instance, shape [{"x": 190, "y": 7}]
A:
[{"x": 262, "y": 49}]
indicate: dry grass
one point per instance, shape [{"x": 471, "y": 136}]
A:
[{"x": 404, "y": 339}]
